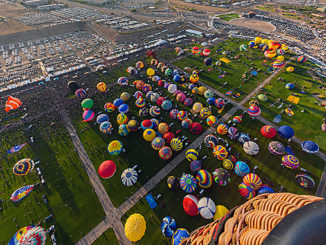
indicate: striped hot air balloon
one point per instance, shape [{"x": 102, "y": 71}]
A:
[{"x": 12, "y": 103}]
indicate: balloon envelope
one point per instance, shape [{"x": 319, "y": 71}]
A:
[{"x": 135, "y": 227}]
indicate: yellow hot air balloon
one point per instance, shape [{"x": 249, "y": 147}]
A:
[
  {"x": 258, "y": 40},
  {"x": 150, "y": 72},
  {"x": 280, "y": 58},
  {"x": 220, "y": 212},
  {"x": 290, "y": 69},
  {"x": 285, "y": 47},
  {"x": 264, "y": 41},
  {"x": 135, "y": 227},
  {"x": 202, "y": 90}
]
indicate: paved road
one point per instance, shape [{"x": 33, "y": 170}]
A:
[
  {"x": 112, "y": 218},
  {"x": 145, "y": 189}
]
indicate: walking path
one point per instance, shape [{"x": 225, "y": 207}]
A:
[{"x": 112, "y": 218}]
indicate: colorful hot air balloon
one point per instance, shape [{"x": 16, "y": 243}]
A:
[
  {"x": 109, "y": 107},
  {"x": 309, "y": 147},
  {"x": 139, "y": 65},
  {"x": 254, "y": 111},
  {"x": 221, "y": 176},
  {"x": 211, "y": 141},
  {"x": 35, "y": 235},
  {"x": 276, "y": 148},
  {"x": 176, "y": 144},
  {"x": 302, "y": 59},
  {"x": 222, "y": 129},
  {"x": 80, "y": 93},
  {"x": 106, "y": 127},
  {"x": 158, "y": 143},
  {"x": 165, "y": 153},
  {"x": 179, "y": 236},
  {"x": 21, "y": 193},
  {"x": 268, "y": 131},
  {"x": 101, "y": 86},
  {"x": 23, "y": 167},
  {"x": 191, "y": 155},
  {"x": 227, "y": 164},
  {"x": 168, "y": 226},
  {"x": 290, "y": 161},
  {"x": 88, "y": 115},
  {"x": 12, "y": 103},
  {"x": 204, "y": 178},
  {"x": 241, "y": 169},
  {"x": 253, "y": 180},
  {"x": 115, "y": 147},
  {"x": 188, "y": 183},
  {"x": 220, "y": 152},
  {"x": 246, "y": 191}
]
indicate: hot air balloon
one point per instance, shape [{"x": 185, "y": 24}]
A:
[
  {"x": 188, "y": 183},
  {"x": 87, "y": 103},
  {"x": 195, "y": 128},
  {"x": 211, "y": 141},
  {"x": 191, "y": 155},
  {"x": 309, "y": 147},
  {"x": 168, "y": 226},
  {"x": 109, "y": 107},
  {"x": 179, "y": 236},
  {"x": 302, "y": 59},
  {"x": 186, "y": 123},
  {"x": 246, "y": 191},
  {"x": 21, "y": 193},
  {"x": 220, "y": 152},
  {"x": 241, "y": 169},
  {"x": 206, "y": 208},
  {"x": 122, "y": 81},
  {"x": 106, "y": 127},
  {"x": 12, "y": 103},
  {"x": 115, "y": 147},
  {"x": 135, "y": 227},
  {"x": 195, "y": 166},
  {"x": 212, "y": 121},
  {"x": 80, "y": 93},
  {"x": 88, "y": 115},
  {"x": 276, "y": 148},
  {"x": 285, "y": 132},
  {"x": 190, "y": 203},
  {"x": 253, "y": 180},
  {"x": 305, "y": 181},
  {"x": 204, "y": 178},
  {"x": 107, "y": 169},
  {"x": 220, "y": 211},
  {"x": 176, "y": 144},
  {"x": 264, "y": 189},
  {"x": 290, "y": 161},
  {"x": 129, "y": 177},
  {"x": 227, "y": 164},
  {"x": 268, "y": 131},
  {"x": 172, "y": 183},
  {"x": 222, "y": 129},
  {"x": 233, "y": 133},
  {"x": 23, "y": 167},
  {"x": 221, "y": 176},
  {"x": 101, "y": 86},
  {"x": 165, "y": 153},
  {"x": 254, "y": 111},
  {"x": 251, "y": 148},
  {"x": 168, "y": 137}
]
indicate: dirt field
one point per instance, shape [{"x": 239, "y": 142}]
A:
[
  {"x": 10, "y": 11},
  {"x": 254, "y": 24},
  {"x": 179, "y": 3}
]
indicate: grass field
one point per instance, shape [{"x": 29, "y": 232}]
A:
[
  {"x": 269, "y": 169},
  {"x": 233, "y": 71},
  {"x": 307, "y": 125},
  {"x": 70, "y": 197},
  {"x": 290, "y": 15},
  {"x": 108, "y": 237},
  {"x": 267, "y": 8},
  {"x": 138, "y": 151},
  {"x": 228, "y": 17}
]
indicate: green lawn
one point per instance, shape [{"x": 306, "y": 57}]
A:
[
  {"x": 307, "y": 125},
  {"x": 267, "y": 8},
  {"x": 233, "y": 71},
  {"x": 228, "y": 17},
  {"x": 138, "y": 151},
  {"x": 269, "y": 169},
  {"x": 108, "y": 237},
  {"x": 71, "y": 199}
]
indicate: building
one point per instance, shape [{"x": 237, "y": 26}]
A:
[
  {"x": 194, "y": 33},
  {"x": 49, "y": 7},
  {"x": 36, "y": 3}
]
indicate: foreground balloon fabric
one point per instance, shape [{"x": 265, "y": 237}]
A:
[{"x": 265, "y": 217}]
